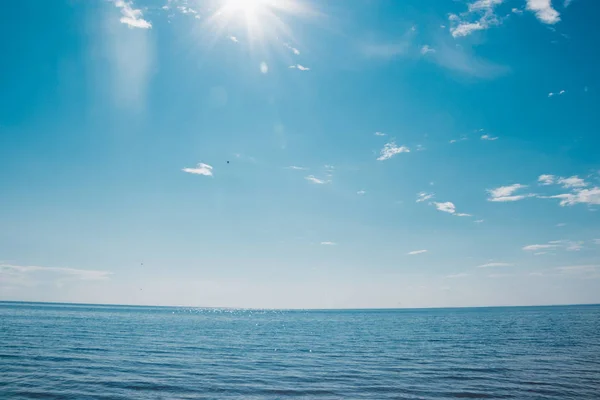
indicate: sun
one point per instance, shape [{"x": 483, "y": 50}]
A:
[
  {"x": 253, "y": 12},
  {"x": 261, "y": 18}
]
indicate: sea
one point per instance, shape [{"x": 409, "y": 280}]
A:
[{"x": 67, "y": 351}]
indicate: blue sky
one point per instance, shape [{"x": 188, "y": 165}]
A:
[{"x": 409, "y": 153}]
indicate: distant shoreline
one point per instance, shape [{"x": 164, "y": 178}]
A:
[{"x": 105, "y": 305}]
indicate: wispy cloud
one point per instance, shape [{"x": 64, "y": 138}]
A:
[
  {"x": 578, "y": 196},
  {"x": 313, "y": 179},
  {"x": 186, "y": 10},
  {"x": 131, "y": 16},
  {"x": 552, "y": 94},
  {"x": 295, "y": 167},
  {"x": 506, "y": 193},
  {"x": 450, "y": 208},
  {"x": 427, "y": 49},
  {"x": 328, "y": 243},
  {"x": 300, "y": 67},
  {"x": 415, "y": 252},
  {"x": 423, "y": 196},
  {"x": 488, "y": 137},
  {"x": 478, "y": 221},
  {"x": 567, "y": 3},
  {"x": 537, "y": 247},
  {"x": 391, "y": 149},
  {"x": 543, "y": 11},
  {"x": 233, "y": 39},
  {"x": 517, "y": 11},
  {"x": 463, "y": 60},
  {"x": 379, "y": 134},
  {"x": 494, "y": 265},
  {"x": 71, "y": 273},
  {"x": 459, "y": 275},
  {"x": 480, "y": 16},
  {"x": 546, "y": 179},
  {"x": 293, "y": 49},
  {"x": 201, "y": 169},
  {"x": 572, "y": 182},
  {"x": 361, "y": 192}
]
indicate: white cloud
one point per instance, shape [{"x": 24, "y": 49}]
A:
[
  {"x": 562, "y": 92},
  {"x": 478, "y": 221},
  {"x": 427, "y": 49},
  {"x": 543, "y": 11},
  {"x": 300, "y": 67},
  {"x": 536, "y": 247},
  {"x": 572, "y": 182},
  {"x": 453, "y": 141},
  {"x": 313, "y": 179},
  {"x": 415, "y": 252},
  {"x": 328, "y": 243},
  {"x": 517, "y": 11},
  {"x": 463, "y": 215},
  {"x": 546, "y": 179},
  {"x": 186, "y": 10},
  {"x": 567, "y": 3},
  {"x": 361, "y": 192},
  {"x": 466, "y": 28},
  {"x": 264, "y": 68},
  {"x": 233, "y": 39},
  {"x": 380, "y": 134},
  {"x": 390, "y": 149},
  {"x": 494, "y": 265},
  {"x": 488, "y": 137},
  {"x": 459, "y": 275},
  {"x": 448, "y": 207},
  {"x": 579, "y": 196},
  {"x": 294, "y": 167},
  {"x": 506, "y": 193},
  {"x": 423, "y": 196},
  {"x": 201, "y": 169},
  {"x": 550, "y": 94},
  {"x": 131, "y": 16},
  {"x": 72, "y": 273},
  {"x": 293, "y": 49},
  {"x": 480, "y": 16}
]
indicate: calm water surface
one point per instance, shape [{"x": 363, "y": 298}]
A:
[{"x": 75, "y": 352}]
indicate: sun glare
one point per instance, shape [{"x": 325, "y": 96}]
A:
[{"x": 261, "y": 18}]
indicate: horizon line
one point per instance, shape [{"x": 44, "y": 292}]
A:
[{"x": 292, "y": 309}]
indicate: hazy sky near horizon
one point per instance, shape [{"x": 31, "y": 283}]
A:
[{"x": 299, "y": 154}]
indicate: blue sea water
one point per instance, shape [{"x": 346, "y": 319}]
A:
[{"x": 59, "y": 351}]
